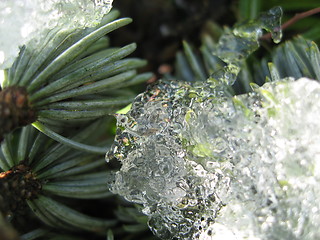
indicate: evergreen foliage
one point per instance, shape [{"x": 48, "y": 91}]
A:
[{"x": 56, "y": 121}]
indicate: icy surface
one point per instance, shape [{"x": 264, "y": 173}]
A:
[
  {"x": 23, "y": 20},
  {"x": 208, "y": 166}
]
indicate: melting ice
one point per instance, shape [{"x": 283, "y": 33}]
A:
[
  {"x": 244, "y": 167},
  {"x": 206, "y": 165}
]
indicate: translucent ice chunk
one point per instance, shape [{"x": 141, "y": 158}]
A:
[
  {"x": 237, "y": 44},
  {"x": 178, "y": 195},
  {"x": 207, "y": 166},
  {"x": 23, "y": 20}
]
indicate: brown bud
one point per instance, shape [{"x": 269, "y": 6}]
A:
[
  {"x": 17, "y": 185},
  {"x": 15, "y": 110}
]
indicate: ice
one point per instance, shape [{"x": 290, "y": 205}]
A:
[
  {"x": 23, "y": 20},
  {"x": 178, "y": 195},
  {"x": 207, "y": 166},
  {"x": 236, "y": 45},
  {"x": 272, "y": 139}
]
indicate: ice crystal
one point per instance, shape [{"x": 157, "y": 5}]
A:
[
  {"x": 23, "y": 20},
  {"x": 207, "y": 166}
]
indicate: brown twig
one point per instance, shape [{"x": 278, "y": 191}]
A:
[{"x": 291, "y": 21}]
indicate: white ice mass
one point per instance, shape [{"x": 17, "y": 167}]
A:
[{"x": 23, "y": 20}]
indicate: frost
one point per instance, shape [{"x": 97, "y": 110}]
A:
[
  {"x": 23, "y": 20},
  {"x": 209, "y": 166}
]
